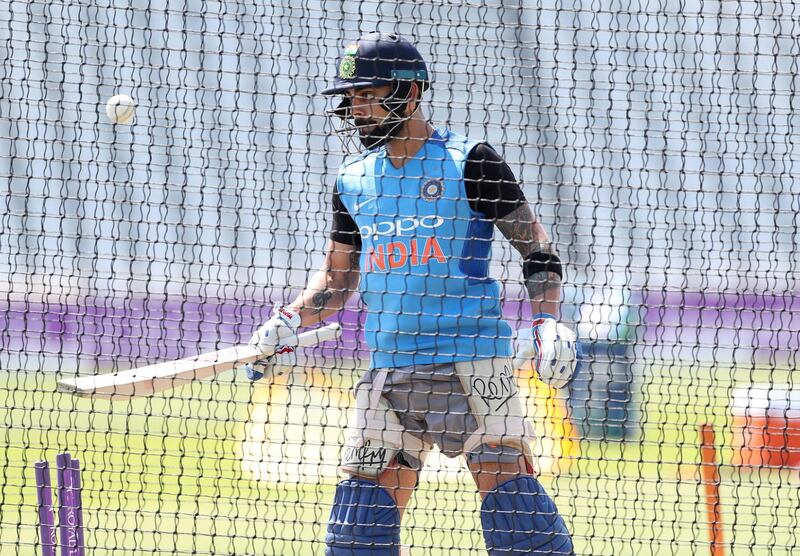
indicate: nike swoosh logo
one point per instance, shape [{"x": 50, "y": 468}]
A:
[{"x": 361, "y": 204}]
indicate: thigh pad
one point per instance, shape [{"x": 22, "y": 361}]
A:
[
  {"x": 375, "y": 434},
  {"x": 494, "y": 400}
]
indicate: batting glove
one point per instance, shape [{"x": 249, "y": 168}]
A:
[
  {"x": 552, "y": 348},
  {"x": 282, "y": 362},
  {"x": 274, "y": 333}
]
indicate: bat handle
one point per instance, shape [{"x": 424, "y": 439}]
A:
[{"x": 313, "y": 337}]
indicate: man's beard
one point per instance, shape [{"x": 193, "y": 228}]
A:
[{"x": 377, "y": 135}]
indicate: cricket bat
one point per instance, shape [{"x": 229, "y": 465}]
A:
[{"x": 151, "y": 379}]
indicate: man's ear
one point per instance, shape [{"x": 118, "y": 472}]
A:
[{"x": 414, "y": 94}]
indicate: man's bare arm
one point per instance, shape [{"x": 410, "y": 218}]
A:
[
  {"x": 528, "y": 236},
  {"x": 331, "y": 286}
]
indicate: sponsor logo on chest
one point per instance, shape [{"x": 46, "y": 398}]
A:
[
  {"x": 397, "y": 254},
  {"x": 404, "y": 251},
  {"x": 403, "y": 242},
  {"x": 400, "y": 226}
]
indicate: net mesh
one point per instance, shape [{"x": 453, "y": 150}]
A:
[{"x": 658, "y": 142}]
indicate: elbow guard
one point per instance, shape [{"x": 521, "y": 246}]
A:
[{"x": 540, "y": 261}]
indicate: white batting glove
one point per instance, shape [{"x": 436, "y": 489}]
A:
[
  {"x": 551, "y": 347},
  {"x": 282, "y": 362},
  {"x": 273, "y": 333}
]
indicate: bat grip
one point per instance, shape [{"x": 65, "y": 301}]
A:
[{"x": 313, "y": 337}]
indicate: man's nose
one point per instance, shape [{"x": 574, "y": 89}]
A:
[{"x": 359, "y": 108}]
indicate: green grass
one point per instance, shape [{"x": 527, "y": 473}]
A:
[{"x": 163, "y": 476}]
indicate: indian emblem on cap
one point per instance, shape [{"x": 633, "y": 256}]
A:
[
  {"x": 347, "y": 67},
  {"x": 432, "y": 189}
]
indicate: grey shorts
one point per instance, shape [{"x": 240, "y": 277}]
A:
[{"x": 407, "y": 411}]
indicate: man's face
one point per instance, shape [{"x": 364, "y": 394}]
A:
[
  {"x": 366, "y": 107},
  {"x": 375, "y": 124}
]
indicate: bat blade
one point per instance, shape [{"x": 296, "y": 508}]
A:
[{"x": 144, "y": 381}]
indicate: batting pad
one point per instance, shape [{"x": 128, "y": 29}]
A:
[
  {"x": 520, "y": 518},
  {"x": 364, "y": 521}
]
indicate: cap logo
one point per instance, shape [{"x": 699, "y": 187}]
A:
[{"x": 347, "y": 67}]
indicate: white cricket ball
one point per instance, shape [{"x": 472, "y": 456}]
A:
[{"x": 120, "y": 109}]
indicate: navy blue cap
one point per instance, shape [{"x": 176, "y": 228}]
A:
[{"x": 378, "y": 59}]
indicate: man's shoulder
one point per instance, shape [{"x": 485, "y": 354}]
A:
[
  {"x": 458, "y": 144},
  {"x": 354, "y": 169},
  {"x": 355, "y": 163}
]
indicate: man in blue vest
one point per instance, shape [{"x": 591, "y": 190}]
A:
[{"x": 413, "y": 218}]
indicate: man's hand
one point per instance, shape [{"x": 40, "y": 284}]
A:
[
  {"x": 284, "y": 357},
  {"x": 272, "y": 334},
  {"x": 552, "y": 347},
  {"x": 282, "y": 362}
]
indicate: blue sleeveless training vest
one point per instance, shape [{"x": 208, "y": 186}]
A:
[{"x": 425, "y": 257}]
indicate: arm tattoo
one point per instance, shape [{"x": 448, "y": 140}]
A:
[
  {"x": 340, "y": 283},
  {"x": 537, "y": 284},
  {"x": 320, "y": 300},
  {"x": 527, "y": 236},
  {"x": 524, "y": 232}
]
